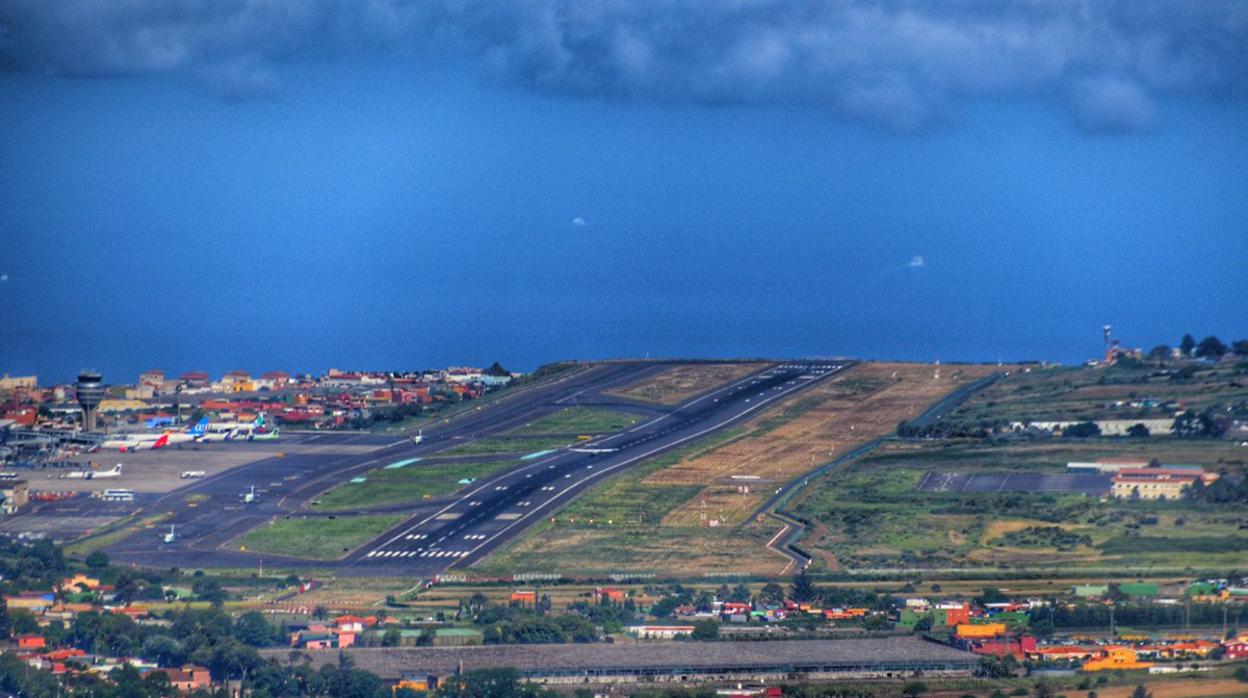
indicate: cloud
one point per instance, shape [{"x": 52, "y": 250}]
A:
[
  {"x": 1109, "y": 105},
  {"x": 579, "y": 222},
  {"x": 897, "y": 64},
  {"x": 916, "y": 262}
]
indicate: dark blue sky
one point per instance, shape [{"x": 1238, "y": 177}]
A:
[{"x": 398, "y": 209}]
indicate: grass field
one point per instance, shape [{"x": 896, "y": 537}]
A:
[
  {"x": 680, "y": 383},
  {"x": 871, "y": 516},
  {"x": 579, "y": 420},
  {"x": 410, "y": 483},
  {"x": 499, "y": 444},
  {"x": 315, "y": 539},
  {"x": 678, "y": 513}
]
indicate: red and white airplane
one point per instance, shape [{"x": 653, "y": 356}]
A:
[{"x": 127, "y": 443}]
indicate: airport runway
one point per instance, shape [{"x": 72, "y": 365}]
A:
[
  {"x": 469, "y": 526},
  {"x": 208, "y": 513}
]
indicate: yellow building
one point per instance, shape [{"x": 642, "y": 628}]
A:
[
  {"x": 71, "y": 583},
  {"x": 116, "y": 405},
  {"x": 1156, "y": 483},
  {"x": 14, "y": 382},
  {"x": 979, "y": 630},
  {"x": 1116, "y": 658}
]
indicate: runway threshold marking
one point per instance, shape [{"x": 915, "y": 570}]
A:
[{"x": 399, "y": 464}]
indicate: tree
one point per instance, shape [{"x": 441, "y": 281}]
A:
[
  {"x": 1210, "y": 348},
  {"x": 1187, "y": 345},
  {"x": 1137, "y": 431},
  {"x": 97, "y": 561},
  {"x": 391, "y": 637},
  {"x": 1161, "y": 352},
  {"x": 1141, "y": 692},
  {"x": 5, "y": 623},
  {"x": 1043, "y": 689},
  {"x": 252, "y": 629},
  {"x": 803, "y": 588},
  {"x": 1240, "y": 347},
  {"x": 914, "y": 689},
  {"x": 496, "y": 369},
  {"x": 1082, "y": 430},
  {"x": 705, "y": 630},
  {"x": 992, "y": 595},
  {"x": 771, "y": 594}
]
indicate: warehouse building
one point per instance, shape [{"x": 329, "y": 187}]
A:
[{"x": 676, "y": 662}]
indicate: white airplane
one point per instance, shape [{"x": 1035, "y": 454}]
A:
[
  {"x": 143, "y": 442},
  {"x": 191, "y": 474},
  {"x": 251, "y": 497},
  {"x": 419, "y": 437},
  {"x": 93, "y": 474},
  {"x": 249, "y": 431},
  {"x": 170, "y": 536}
]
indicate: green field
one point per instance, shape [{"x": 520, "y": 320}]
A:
[
  {"x": 316, "y": 539},
  {"x": 500, "y": 444},
  {"x": 579, "y": 420},
  {"x": 870, "y": 515},
  {"x": 406, "y": 484}
]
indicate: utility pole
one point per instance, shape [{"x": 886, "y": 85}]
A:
[{"x": 1112, "y": 631}]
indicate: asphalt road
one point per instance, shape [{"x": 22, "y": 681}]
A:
[{"x": 460, "y": 530}]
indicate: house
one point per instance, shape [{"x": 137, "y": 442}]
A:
[
  {"x": 153, "y": 377},
  {"x": 189, "y": 678},
  {"x": 73, "y": 583},
  {"x": 1156, "y": 483},
  {"x": 14, "y": 494},
  {"x": 1116, "y": 658},
  {"x": 1237, "y": 649},
  {"x": 31, "y": 642},
  {"x": 33, "y": 601},
  {"x": 610, "y": 594},
  {"x": 524, "y": 597}
]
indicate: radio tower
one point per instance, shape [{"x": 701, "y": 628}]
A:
[{"x": 1111, "y": 344}]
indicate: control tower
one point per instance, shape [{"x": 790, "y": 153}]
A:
[{"x": 90, "y": 391}]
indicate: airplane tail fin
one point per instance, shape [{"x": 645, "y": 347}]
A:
[
  {"x": 260, "y": 419},
  {"x": 199, "y": 428}
]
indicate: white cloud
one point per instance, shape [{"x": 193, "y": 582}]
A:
[
  {"x": 916, "y": 262},
  {"x": 579, "y": 222}
]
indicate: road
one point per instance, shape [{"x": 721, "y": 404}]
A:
[{"x": 457, "y": 531}]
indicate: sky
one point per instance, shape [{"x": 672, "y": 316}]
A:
[{"x": 390, "y": 185}]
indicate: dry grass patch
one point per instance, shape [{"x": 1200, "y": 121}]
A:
[
  {"x": 805, "y": 431},
  {"x": 679, "y": 383}
]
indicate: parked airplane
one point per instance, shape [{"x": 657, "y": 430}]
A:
[
  {"x": 249, "y": 431},
  {"x": 142, "y": 442},
  {"x": 93, "y": 474}
]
